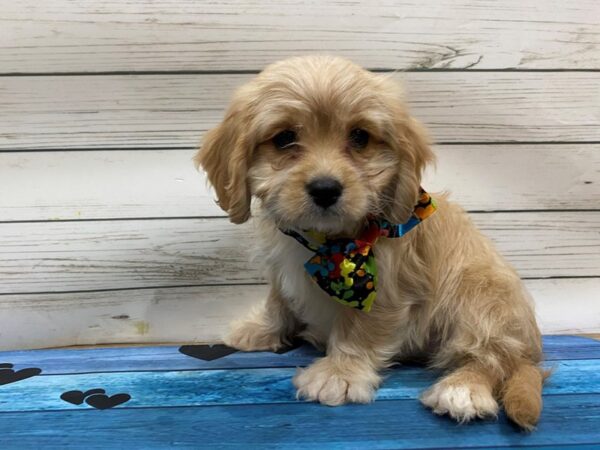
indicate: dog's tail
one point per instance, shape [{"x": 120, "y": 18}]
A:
[{"x": 522, "y": 395}]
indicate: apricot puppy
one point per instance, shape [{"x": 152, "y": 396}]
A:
[{"x": 331, "y": 161}]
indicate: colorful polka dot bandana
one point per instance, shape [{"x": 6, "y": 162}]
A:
[{"x": 345, "y": 268}]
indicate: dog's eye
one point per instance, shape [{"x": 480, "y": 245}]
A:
[
  {"x": 358, "y": 138},
  {"x": 284, "y": 139}
]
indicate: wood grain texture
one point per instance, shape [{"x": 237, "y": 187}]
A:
[
  {"x": 58, "y": 256},
  {"x": 168, "y": 358},
  {"x": 203, "y": 313},
  {"x": 163, "y": 75},
  {"x": 381, "y": 425},
  {"x": 162, "y": 183},
  {"x": 199, "y": 314},
  {"x": 224, "y": 35},
  {"x": 152, "y": 111},
  {"x": 570, "y": 347},
  {"x": 245, "y": 386}
]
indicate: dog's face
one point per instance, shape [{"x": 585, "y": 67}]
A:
[{"x": 321, "y": 142}]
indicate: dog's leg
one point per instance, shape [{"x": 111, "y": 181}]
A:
[
  {"x": 356, "y": 351},
  {"x": 464, "y": 394},
  {"x": 269, "y": 326},
  {"x": 491, "y": 344}
]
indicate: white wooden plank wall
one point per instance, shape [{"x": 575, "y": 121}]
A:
[{"x": 107, "y": 233}]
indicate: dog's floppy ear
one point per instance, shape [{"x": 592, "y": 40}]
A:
[
  {"x": 413, "y": 144},
  {"x": 224, "y": 155}
]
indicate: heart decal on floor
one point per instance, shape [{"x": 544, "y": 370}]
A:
[
  {"x": 212, "y": 352},
  {"x": 207, "y": 352},
  {"x": 95, "y": 398},
  {"x": 8, "y": 375},
  {"x": 102, "y": 401},
  {"x": 77, "y": 397}
]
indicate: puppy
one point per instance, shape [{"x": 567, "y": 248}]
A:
[{"x": 321, "y": 147}]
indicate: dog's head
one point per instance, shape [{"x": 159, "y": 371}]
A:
[{"x": 321, "y": 142}]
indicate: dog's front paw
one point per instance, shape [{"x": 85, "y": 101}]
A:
[
  {"x": 462, "y": 402},
  {"x": 334, "y": 385},
  {"x": 250, "y": 336}
]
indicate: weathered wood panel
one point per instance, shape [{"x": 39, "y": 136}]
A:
[
  {"x": 61, "y": 256},
  {"x": 170, "y": 110},
  {"x": 141, "y": 315},
  {"x": 89, "y": 36},
  {"x": 132, "y": 111},
  {"x": 203, "y": 313},
  {"x": 160, "y": 183}
]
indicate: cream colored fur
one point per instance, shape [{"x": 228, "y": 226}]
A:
[{"x": 444, "y": 294}]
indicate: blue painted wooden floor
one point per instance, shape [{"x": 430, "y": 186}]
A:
[{"x": 201, "y": 397}]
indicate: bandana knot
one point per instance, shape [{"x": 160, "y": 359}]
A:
[{"x": 345, "y": 268}]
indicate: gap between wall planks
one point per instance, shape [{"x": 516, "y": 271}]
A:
[
  {"x": 167, "y": 35},
  {"x": 203, "y": 313},
  {"x": 121, "y": 184},
  {"x": 158, "y": 111}
]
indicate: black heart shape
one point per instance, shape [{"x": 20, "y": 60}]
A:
[
  {"x": 101, "y": 401},
  {"x": 76, "y": 397},
  {"x": 207, "y": 352},
  {"x": 10, "y": 376},
  {"x": 5, "y": 365}
]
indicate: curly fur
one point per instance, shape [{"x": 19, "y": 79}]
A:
[{"x": 445, "y": 293}]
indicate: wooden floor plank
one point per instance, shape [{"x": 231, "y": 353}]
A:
[
  {"x": 72, "y": 361},
  {"x": 151, "y": 358},
  {"x": 243, "y": 386},
  {"x": 567, "y": 419},
  {"x": 570, "y": 347},
  {"x": 256, "y": 408}
]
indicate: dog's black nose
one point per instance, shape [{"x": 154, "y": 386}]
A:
[{"x": 324, "y": 191}]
